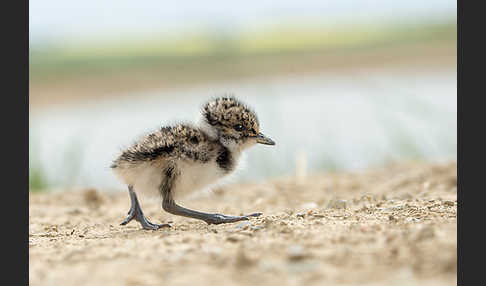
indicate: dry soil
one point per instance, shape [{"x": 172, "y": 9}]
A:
[{"x": 394, "y": 225}]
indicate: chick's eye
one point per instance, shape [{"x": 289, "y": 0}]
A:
[{"x": 238, "y": 127}]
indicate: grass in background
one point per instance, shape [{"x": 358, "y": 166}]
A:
[
  {"x": 203, "y": 50},
  {"x": 70, "y": 172},
  {"x": 38, "y": 180}
]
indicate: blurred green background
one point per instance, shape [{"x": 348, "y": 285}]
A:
[{"x": 338, "y": 85}]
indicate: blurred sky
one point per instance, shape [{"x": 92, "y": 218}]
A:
[{"x": 56, "y": 20}]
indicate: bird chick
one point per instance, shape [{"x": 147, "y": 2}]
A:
[{"x": 177, "y": 159}]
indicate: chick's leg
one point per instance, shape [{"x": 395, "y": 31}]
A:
[
  {"x": 136, "y": 213},
  {"x": 171, "y": 207}
]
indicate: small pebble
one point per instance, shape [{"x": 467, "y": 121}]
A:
[
  {"x": 318, "y": 215},
  {"x": 286, "y": 229},
  {"x": 232, "y": 239},
  {"x": 75, "y": 211},
  {"x": 449, "y": 203}
]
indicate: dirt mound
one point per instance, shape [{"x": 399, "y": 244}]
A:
[{"x": 377, "y": 227}]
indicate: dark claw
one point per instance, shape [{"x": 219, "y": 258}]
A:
[
  {"x": 131, "y": 215},
  {"x": 144, "y": 222},
  {"x": 125, "y": 221},
  {"x": 220, "y": 218},
  {"x": 153, "y": 226},
  {"x": 255, "y": 214}
]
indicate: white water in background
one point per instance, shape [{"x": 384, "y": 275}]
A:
[{"x": 352, "y": 121}]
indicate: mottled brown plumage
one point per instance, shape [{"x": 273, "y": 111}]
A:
[
  {"x": 227, "y": 112},
  {"x": 179, "y": 142},
  {"x": 181, "y": 158}
]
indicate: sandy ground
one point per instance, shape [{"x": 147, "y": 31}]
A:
[{"x": 388, "y": 226}]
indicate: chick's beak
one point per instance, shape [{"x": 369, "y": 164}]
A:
[{"x": 262, "y": 139}]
